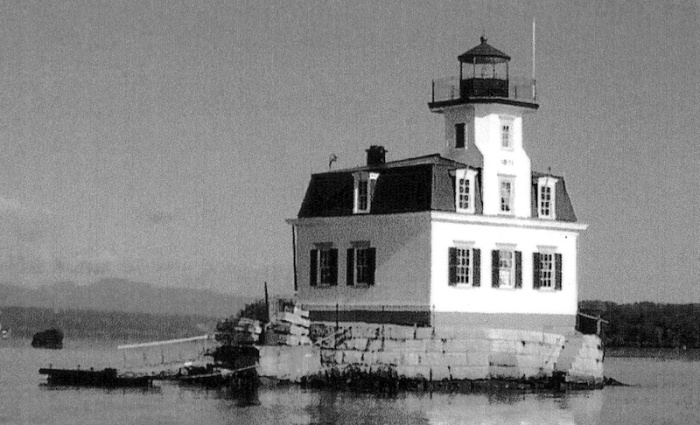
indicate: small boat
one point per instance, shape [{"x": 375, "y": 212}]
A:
[{"x": 94, "y": 378}]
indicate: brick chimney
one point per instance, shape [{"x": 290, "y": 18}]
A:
[{"x": 376, "y": 155}]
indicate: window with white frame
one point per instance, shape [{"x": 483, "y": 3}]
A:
[
  {"x": 547, "y": 270},
  {"x": 464, "y": 266},
  {"x": 323, "y": 270},
  {"x": 361, "y": 260},
  {"x": 506, "y": 133},
  {"x": 506, "y": 194},
  {"x": 506, "y": 267},
  {"x": 546, "y": 197},
  {"x": 364, "y": 189},
  {"x": 546, "y": 277},
  {"x": 465, "y": 190}
]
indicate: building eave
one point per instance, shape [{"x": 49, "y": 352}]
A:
[
  {"x": 316, "y": 221},
  {"x": 441, "y": 105},
  {"x": 502, "y": 221},
  {"x": 449, "y": 217}
]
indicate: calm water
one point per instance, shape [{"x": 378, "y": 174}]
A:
[{"x": 665, "y": 392}]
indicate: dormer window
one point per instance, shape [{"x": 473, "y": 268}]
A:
[
  {"x": 546, "y": 197},
  {"x": 364, "y": 189},
  {"x": 506, "y": 133},
  {"x": 465, "y": 190}
]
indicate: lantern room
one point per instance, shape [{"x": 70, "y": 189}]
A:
[
  {"x": 483, "y": 78},
  {"x": 483, "y": 72}
]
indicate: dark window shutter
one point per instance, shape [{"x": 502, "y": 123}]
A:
[
  {"x": 557, "y": 271},
  {"x": 452, "y": 264},
  {"x": 518, "y": 269},
  {"x": 536, "y": 270},
  {"x": 370, "y": 194},
  {"x": 476, "y": 275},
  {"x": 350, "y": 271},
  {"x": 313, "y": 268},
  {"x": 495, "y": 257},
  {"x": 372, "y": 264},
  {"x": 459, "y": 135},
  {"x": 334, "y": 266}
]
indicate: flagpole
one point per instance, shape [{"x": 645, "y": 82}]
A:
[{"x": 534, "y": 82}]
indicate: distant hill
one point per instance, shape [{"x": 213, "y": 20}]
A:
[
  {"x": 102, "y": 325},
  {"x": 123, "y": 295}
]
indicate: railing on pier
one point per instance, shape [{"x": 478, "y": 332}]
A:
[
  {"x": 590, "y": 325},
  {"x": 160, "y": 353},
  {"x": 453, "y": 89}
]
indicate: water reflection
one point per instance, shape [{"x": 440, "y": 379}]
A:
[
  {"x": 299, "y": 406},
  {"x": 96, "y": 389}
]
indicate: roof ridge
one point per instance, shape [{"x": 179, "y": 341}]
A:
[{"x": 396, "y": 163}]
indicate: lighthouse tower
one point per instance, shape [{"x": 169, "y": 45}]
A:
[{"x": 483, "y": 110}]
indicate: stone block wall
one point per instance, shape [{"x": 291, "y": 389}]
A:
[{"x": 464, "y": 354}]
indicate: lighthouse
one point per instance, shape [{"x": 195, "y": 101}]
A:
[{"x": 469, "y": 237}]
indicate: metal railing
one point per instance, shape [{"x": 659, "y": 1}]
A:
[{"x": 452, "y": 89}]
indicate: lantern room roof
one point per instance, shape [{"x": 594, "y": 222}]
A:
[{"x": 483, "y": 53}]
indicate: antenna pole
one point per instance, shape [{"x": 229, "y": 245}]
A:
[{"x": 534, "y": 83}]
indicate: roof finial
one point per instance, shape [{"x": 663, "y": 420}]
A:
[{"x": 483, "y": 38}]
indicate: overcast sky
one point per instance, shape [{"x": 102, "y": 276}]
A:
[{"x": 167, "y": 141}]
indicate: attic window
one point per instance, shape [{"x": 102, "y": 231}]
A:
[
  {"x": 364, "y": 190},
  {"x": 465, "y": 190},
  {"x": 546, "y": 197}
]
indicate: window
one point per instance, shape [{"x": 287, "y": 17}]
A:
[
  {"x": 547, "y": 270},
  {"x": 364, "y": 189},
  {"x": 506, "y": 269},
  {"x": 506, "y": 188},
  {"x": 465, "y": 190},
  {"x": 464, "y": 266},
  {"x": 546, "y": 277},
  {"x": 464, "y": 200},
  {"x": 545, "y": 197},
  {"x": 507, "y": 133},
  {"x": 324, "y": 266},
  {"x": 459, "y": 136},
  {"x": 363, "y": 195},
  {"x": 361, "y": 265}
]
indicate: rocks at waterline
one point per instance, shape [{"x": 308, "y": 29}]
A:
[{"x": 50, "y": 338}]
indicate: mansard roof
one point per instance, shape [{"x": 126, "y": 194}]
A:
[
  {"x": 432, "y": 159},
  {"x": 424, "y": 183}
]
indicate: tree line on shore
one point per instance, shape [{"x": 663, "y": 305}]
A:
[
  {"x": 644, "y": 324},
  {"x": 647, "y": 324}
]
